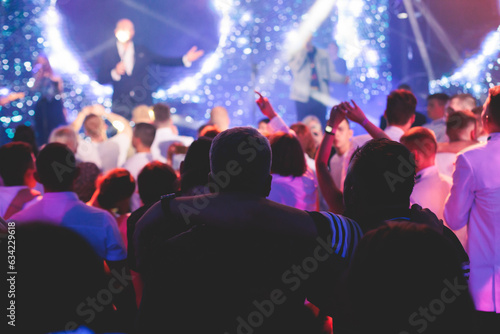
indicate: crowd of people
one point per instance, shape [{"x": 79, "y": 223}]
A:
[{"x": 274, "y": 229}]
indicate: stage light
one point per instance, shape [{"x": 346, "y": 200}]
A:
[{"x": 474, "y": 76}]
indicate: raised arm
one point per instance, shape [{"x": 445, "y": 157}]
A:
[
  {"x": 123, "y": 125},
  {"x": 276, "y": 122},
  {"x": 78, "y": 122},
  {"x": 332, "y": 194},
  {"x": 355, "y": 114}
]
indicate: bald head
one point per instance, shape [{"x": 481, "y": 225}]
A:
[{"x": 124, "y": 30}]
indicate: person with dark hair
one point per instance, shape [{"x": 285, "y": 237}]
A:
[
  {"x": 165, "y": 135},
  {"x": 436, "y": 111},
  {"x": 294, "y": 184},
  {"x": 420, "y": 118},
  {"x": 61, "y": 273},
  {"x": 312, "y": 70},
  {"x": 399, "y": 112},
  {"x": 195, "y": 252},
  {"x": 142, "y": 139},
  {"x": 17, "y": 169},
  {"x": 49, "y": 108},
  {"x": 56, "y": 170},
  {"x": 126, "y": 66},
  {"x": 26, "y": 134},
  {"x": 473, "y": 202},
  {"x": 397, "y": 285},
  {"x": 208, "y": 130},
  {"x": 106, "y": 153},
  {"x": 196, "y": 167}
]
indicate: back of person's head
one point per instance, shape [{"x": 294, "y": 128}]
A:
[
  {"x": 56, "y": 167},
  {"x": 442, "y": 98},
  {"x": 401, "y": 105},
  {"x": 93, "y": 125},
  {"x": 26, "y": 134},
  {"x": 381, "y": 175},
  {"x": 407, "y": 278},
  {"x": 209, "y": 131},
  {"x": 461, "y": 125},
  {"x": 142, "y": 114},
  {"x": 145, "y": 133},
  {"x": 288, "y": 156},
  {"x": 492, "y": 106},
  {"x": 64, "y": 135},
  {"x": 16, "y": 159},
  {"x": 420, "y": 139},
  {"x": 155, "y": 180},
  {"x": 240, "y": 160},
  {"x": 60, "y": 272},
  {"x": 196, "y": 165},
  {"x": 461, "y": 102},
  {"x": 161, "y": 112},
  {"x": 305, "y": 138},
  {"x": 116, "y": 186}
]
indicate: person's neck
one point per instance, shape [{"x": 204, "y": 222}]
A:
[
  {"x": 162, "y": 125},
  {"x": 143, "y": 149},
  {"x": 404, "y": 128},
  {"x": 424, "y": 165},
  {"x": 125, "y": 45}
]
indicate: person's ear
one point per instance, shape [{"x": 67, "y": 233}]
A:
[
  {"x": 473, "y": 134},
  {"x": 351, "y": 133},
  {"x": 413, "y": 118}
]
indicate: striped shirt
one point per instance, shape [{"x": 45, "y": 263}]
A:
[{"x": 344, "y": 232}]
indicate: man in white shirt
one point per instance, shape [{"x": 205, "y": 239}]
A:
[
  {"x": 106, "y": 153},
  {"x": 56, "y": 170},
  {"x": 461, "y": 130},
  {"x": 17, "y": 168},
  {"x": 143, "y": 137},
  {"x": 474, "y": 202},
  {"x": 344, "y": 148},
  {"x": 127, "y": 67},
  {"x": 436, "y": 111},
  {"x": 164, "y": 134},
  {"x": 400, "y": 113},
  {"x": 431, "y": 187}
]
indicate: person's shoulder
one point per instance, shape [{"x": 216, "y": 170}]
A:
[{"x": 473, "y": 152}]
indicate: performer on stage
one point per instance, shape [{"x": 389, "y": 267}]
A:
[
  {"x": 125, "y": 66},
  {"x": 49, "y": 110},
  {"x": 312, "y": 70}
]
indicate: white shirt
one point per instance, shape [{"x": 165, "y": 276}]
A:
[
  {"x": 430, "y": 191},
  {"x": 394, "y": 132},
  {"x": 474, "y": 202},
  {"x": 108, "y": 154},
  {"x": 299, "y": 192},
  {"x": 164, "y": 137},
  {"x": 438, "y": 126},
  {"x": 134, "y": 165},
  {"x": 95, "y": 225},
  {"x": 7, "y": 194},
  {"x": 339, "y": 165},
  {"x": 445, "y": 162}
]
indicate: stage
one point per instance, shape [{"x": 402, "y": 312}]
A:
[{"x": 247, "y": 47}]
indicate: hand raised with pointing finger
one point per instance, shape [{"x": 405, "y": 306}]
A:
[{"x": 265, "y": 106}]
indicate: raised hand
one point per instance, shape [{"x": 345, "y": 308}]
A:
[
  {"x": 337, "y": 115},
  {"x": 265, "y": 106},
  {"x": 353, "y": 112},
  {"x": 120, "y": 68},
  {"x": 193, "y": 54}
]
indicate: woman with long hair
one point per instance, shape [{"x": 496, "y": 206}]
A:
[{"x": 49, "y": 112}]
